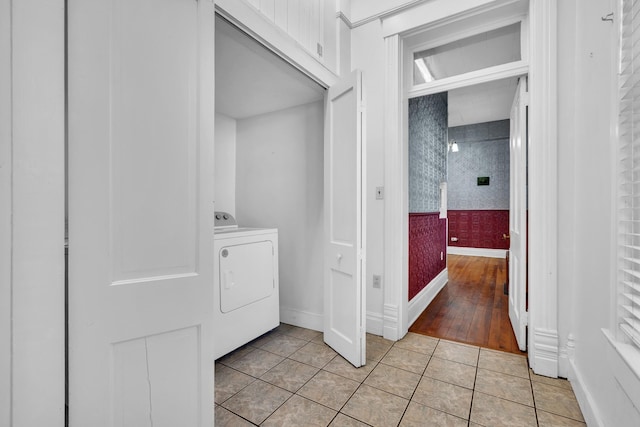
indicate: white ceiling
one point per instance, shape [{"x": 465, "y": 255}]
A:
[
  {"x": 251, "y": 80},
  {"x": 482, "y": 103}
]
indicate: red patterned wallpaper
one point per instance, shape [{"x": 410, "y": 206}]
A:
[
  {"x": 427, "y": 239},
  {"x": 479, "y": 228}
]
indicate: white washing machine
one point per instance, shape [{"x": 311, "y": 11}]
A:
[{"x": 246, "y": 291}]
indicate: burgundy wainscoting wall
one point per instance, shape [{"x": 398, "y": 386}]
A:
[
  {"x": 479, "y": 228},
  {"x": 427, "y": 240}
]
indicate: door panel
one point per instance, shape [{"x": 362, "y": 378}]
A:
[
  {"x": 344, "y": 262},
  {"x": 518, "y": 215},
  {"x": 141, "y": 102}
]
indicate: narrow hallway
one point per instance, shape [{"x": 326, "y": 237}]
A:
[{"x": 472, "y": 308}]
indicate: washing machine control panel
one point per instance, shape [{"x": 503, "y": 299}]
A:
[{"x": 224, "y": 220}]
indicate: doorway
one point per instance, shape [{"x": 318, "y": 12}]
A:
[
  {"x": 471, "y": 134},
  {"x": 539, "y": 33},
  {"x": 288, "y": 156}
]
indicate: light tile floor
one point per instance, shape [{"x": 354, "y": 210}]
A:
[{"x": 289, "y": 377}]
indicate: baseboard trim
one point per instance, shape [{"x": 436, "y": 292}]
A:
[
  {"x": 390, "y": 322},
  {"x": 374, "y": 323},
  {"x": 584, "y": 397},
  {"x": 488, "y": 253},
  {"x": 426, "y": 295},
  {"x": 545, "y": 352},
  {"x": 303, "y": 319}
]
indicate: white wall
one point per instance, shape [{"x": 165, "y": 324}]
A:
[
  {"x": 225, "y": 164},
  {"x": 279, "y": 183},
  {"x": 585, "y": 73},
  {"x": 367, "y": 54}
]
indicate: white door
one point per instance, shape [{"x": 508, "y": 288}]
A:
[
  {"x": 518, "y": 215},
  {"x": 344, "y": 290},
  {"x": 140, "y": 122}
]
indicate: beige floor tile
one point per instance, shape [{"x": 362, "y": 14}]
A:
[
  {"x": 375, "y": 407},
  {"x": 505, "y": 386},
  {"x": 283, "y": 345},
  {"x": 341, "y": 420},
  {"x": 393, "y": 380},
  {"x": 225, "y": 418},
  {"x": 546, "y": 419},
  {"x": 298, "y": 411},
  {"x": 456, "y": 352},
  {"x": 418, "y": 415},
  {"x": 341, "y": 367},
  {"x": 228, "y": 382},
  {"x": 492, "y": 411},
  {"x": 256, "y": 362},
  {"x": 329, "y": 389},
  {"x": 284, "y": 327},
  {"x": 262, "y": 340},
  {"x": 406, "y": 359},
  {"x": 556, "y": 400},
  {"x": 506, "y": 363},
  {"x": 257, "y": 401},
  {"x": 558, "y": 382},
  {"x": 377, "y": 348},
  {"x": 445, "y": 397},
  {"x": 418, "y": 343},
  {"x": 314, "y": 354},
  {"x": 289, "y": 374},
  {"x": 451, "y": 372},
  {"x": 302, "y": 333},
  {"x": 235, "y": 355}
]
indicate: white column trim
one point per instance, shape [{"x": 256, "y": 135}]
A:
[
  {"x": 396, "y": 206},
  {"x": 543, "y": 191},
  {"x": 36, "y": 171}
]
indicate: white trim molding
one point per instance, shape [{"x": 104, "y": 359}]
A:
[
  {"x": 374, "y": 323},
  {"x": 396, "y": 227},
  {"x": 544, "y": 346},
  {"x": 543, "y": 189},
  {"x": 585, "y": 399},
  {"x": 391, "y": 322},
  {"x": 422, "y": 300},
  {"x": 483, "y": 252},
  {"x": 303, "y": 319}
]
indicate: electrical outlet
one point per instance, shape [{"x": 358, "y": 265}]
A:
[
  {"x": 441, "y": 256},
  {"x": 377, "y": 281},
  {"x": 454, "y": 239}
]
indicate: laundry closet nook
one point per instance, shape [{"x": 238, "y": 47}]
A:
[{"x": 269, "y": 148}]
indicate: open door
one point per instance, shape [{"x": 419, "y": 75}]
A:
[
  {"x": 344, "y": 290},
  {"x": 518, "y": 215},
  {"x": 140, "y": 158}
]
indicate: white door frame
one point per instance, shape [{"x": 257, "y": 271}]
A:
[
  {"x": 32, "y": 168},
  {"x": 543, "y": 318}
]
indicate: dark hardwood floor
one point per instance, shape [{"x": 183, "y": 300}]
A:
[{"x": 472, "y": 308}]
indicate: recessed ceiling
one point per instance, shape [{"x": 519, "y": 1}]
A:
[
  {"x": 251, "y": 80},
  {"x": 481, "y": 103}
]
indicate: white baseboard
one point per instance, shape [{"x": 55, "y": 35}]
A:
[
  {"x": 374, "y": 323},
  {"x": 488, "y": 253},
  {"x": 390, "y": 318},
  {"x": 426, "y": 295},
  {"x": 544, "y": 357},
  {"x": 315, "y": 321},
  {"x": 303, "y": 319},
  {"x": 584, "y": 397}
]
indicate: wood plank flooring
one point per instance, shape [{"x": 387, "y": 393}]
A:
[{"x": 472, "y": 307}]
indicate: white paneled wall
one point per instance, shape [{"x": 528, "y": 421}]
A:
[{"x": 302, "y": 20}]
